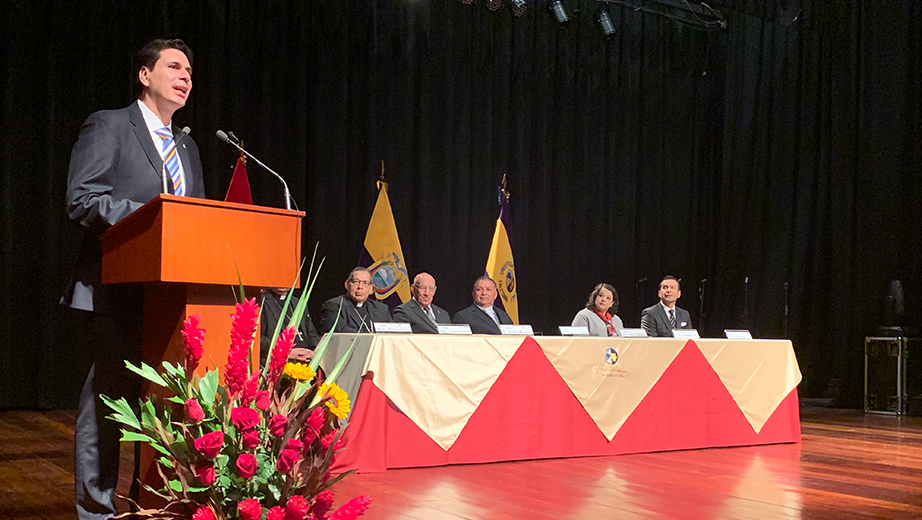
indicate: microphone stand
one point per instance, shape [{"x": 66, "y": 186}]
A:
[
  {"x": 787, "y": 288},
  {"x": 746, "y": 303},
  {"x": 701, "y": 303},
  {"x": 222, "y": 136},
  {"x": 637, "y": 286}
]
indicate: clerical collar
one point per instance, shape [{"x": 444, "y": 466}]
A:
[{"x": 485, "y": 309}]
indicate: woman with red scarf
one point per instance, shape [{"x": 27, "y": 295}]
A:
[{"x": 599, "y": 315}]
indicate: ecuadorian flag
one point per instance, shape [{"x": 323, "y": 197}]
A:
[
  {"x": 382, "y": 254},
  {"x": 500, "y": 266}
]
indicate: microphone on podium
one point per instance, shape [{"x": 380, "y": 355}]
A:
[{"x": 226, "y": 137}]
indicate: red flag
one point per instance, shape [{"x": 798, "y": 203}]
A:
[{"x": 239, "y": 189}]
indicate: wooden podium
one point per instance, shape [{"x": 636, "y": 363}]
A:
[{"x": 187, "y": 252}]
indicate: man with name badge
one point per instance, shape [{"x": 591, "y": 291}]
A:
[
  {"x": 357, "y": 312},
  {"x": 483, "y": 316},
  {"x": 661, "y": 319},
  {"x": 422, "y": 315}
]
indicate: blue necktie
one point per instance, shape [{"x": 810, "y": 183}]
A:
[{"x": 171, "y": 160}]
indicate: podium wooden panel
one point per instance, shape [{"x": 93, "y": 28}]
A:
[{"x": 186, "y": 252}]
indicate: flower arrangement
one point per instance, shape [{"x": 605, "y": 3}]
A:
[{"x": 258, "y": 447}]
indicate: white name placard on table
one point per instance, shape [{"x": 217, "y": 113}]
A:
[
  {"x": 685, "y": 334},
  {"x": 633, "y": 333},
  {"x": 463, "y": 328},
  {"x": 516, "y": 330},
  {"x": 393, "y": 328},
  {"x": 737, "y": 334},
  {"x": 566, "y": 330}
]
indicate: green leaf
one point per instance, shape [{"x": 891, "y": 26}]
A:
[
  {"x": 148, "y": 413},
  {"x": 128, "y": 436},
  {"x": 322, "y": 346},
  {"x": 176, "y": 486},
  {"x": 175, "y": 399},
  {"x": 331, "y": 377},
  {"x": 123, "y": 412},
  {"x": 208, "y": 387},
  {"x": 166, "y": 462},
  {"x": 197, "y": 489},
  {"x": 147, "y": 372}
]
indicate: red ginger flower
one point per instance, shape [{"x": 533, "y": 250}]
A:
[
  {"x": 322, "y": 504},
  {"x": 353, "y": 509},
  {"x": 250, "y": 389},
  {"x": 203, "y": 513},
  {"x": 283, "y": 345},
  {"x": 236, "y": 371},
  {"x": 209, "y": 444},
  {"x": 193, "y": 339},
  {"x": 249, "y": 509},
  {"x": 297, "y": 508},
  {"x": 314, "y": 423}
]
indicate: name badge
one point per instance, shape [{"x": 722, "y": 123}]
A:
[
  {"x": 633, "y": 333},
  {"x": 463, "y": 328},
  {"x": 685, "y": 334},
  {"x": 737, "y": 334},
  {"x": 393, "y": 328},
  {"x": 516, "y": 330},
  {"x": 574, "y": 331}
]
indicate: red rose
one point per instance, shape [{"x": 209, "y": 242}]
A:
[
  {"x": 249, "y": 509},
  {"x": 194, "y": 411},
  {"x": 262, "y": 400},
  {"x": 287, "y": 460},
  {"x": 209, "y": 444},
  {"x": 276, "y": 513},
  {"x": 294, "y": 444},
  {"x": 297, "y": 508},
  {"x": 250, "y": 439},
  {"x": 204, "y": 472},
  {"x": 246, "y": 466},
  {"x": 203, "y": 513},
  {"x": 244, "y": 418},
  {"x": 277, "y": 425}
]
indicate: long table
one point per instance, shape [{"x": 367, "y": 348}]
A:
[{"x": 436, "y": 400}]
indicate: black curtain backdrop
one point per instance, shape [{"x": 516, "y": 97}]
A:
[{"x": 784, "y": 149}]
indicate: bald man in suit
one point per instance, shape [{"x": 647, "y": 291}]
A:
[
  {"x": 422, "y": 315},
  {"x": 115, "y": 168}
]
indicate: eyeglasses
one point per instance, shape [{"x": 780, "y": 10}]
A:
[
  {"x": 425, "y": 287},
  {"x": 366, "y": 283}
]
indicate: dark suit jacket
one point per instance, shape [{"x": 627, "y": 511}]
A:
[
  {"x": 349, "y": 318},
  {"x": 114, "y": 169},
  {"x": 655, "y": 321},
  {"x": 412, "y": 313},
  {"x": 271, "y": 313},
  {"x": 481, "y": 322}
]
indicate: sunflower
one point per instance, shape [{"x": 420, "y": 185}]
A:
[
  {"x": 299, "y": 371},
  {"x": 338, "y": 399}
]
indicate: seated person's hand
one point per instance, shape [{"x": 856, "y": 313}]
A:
[{"x": 303, "y": 355}]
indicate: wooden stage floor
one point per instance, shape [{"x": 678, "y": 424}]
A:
[{"x": 848, "y": 466}]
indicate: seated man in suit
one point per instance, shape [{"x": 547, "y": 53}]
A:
[
  {"x": 660, "y": 319},
  {"x": 357, "y": 312},
  {"x": 422, "y": 315},
  {"x": 483, "y": 317},
  {"x": 273, "y": 300}
]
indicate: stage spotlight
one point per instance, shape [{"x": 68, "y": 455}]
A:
[
  {"x": 494, "y": 5},
  {"x": 560, "y": 14},
  {"x": 518, "y": 7},
  {"x": 605, "y": 23}
]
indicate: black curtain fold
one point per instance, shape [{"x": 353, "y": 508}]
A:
[{"x": 782, "y": 150}]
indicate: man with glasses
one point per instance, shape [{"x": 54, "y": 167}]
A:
[
  {"x": 357, "y": 312},
  {"x": 422, "y": 315}
]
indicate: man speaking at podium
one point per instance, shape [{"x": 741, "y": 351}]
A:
[{"x": 116, "y": 167}]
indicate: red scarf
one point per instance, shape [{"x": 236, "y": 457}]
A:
[{"x": 606, "y": 317}]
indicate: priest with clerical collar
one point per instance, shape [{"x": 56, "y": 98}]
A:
[
  {"x": 357, "y": 312},
  {"x": 483, "y": 316}
]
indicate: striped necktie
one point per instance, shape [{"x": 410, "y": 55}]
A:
[{"x": 171, "y": 159}]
